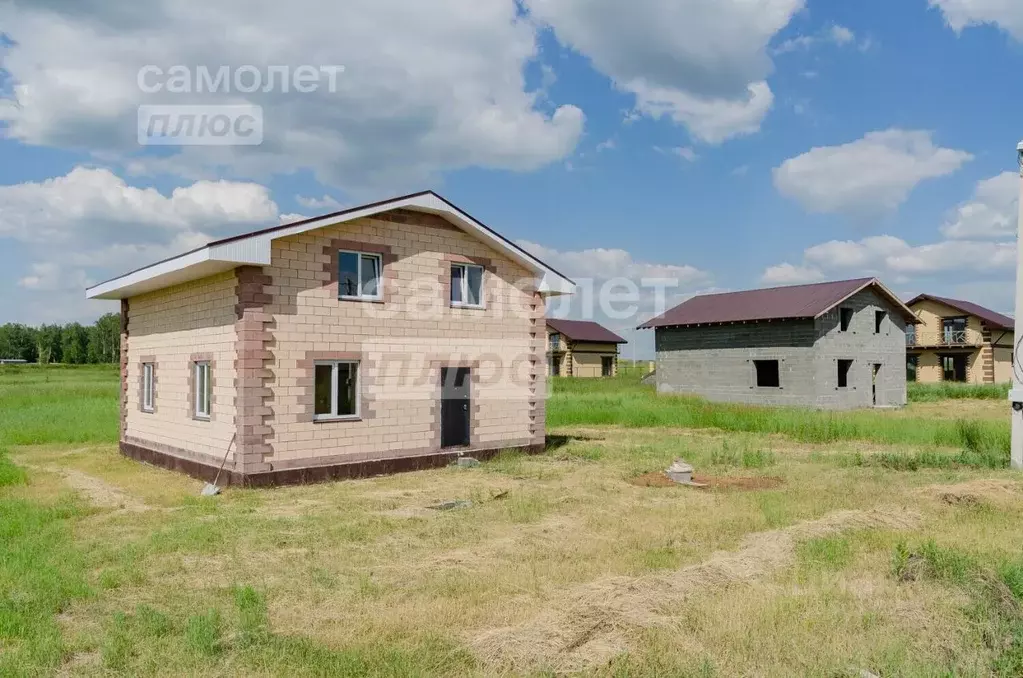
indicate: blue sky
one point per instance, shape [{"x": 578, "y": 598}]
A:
[{"x": 723, "y": 143}]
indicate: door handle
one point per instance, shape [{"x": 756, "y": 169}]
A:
[{"x": 465, "y": 407}]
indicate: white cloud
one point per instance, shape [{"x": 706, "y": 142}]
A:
[
  {"x": 993, "y": 211},
  {"x": 427, "y": 87},
  {"x": 607, "y": 145},
  {"x": 961, "y": 14},
  {"x": 604, "y": 264},
  {"x": 701, "y": 63},
  {"x": 685, "y": 152},
  {"x": 91, "y": 223},
  {"x": 325, "y": 203},
  {"x": 870, "y": 176},
  {"x": 787, "y": 274},
  {"x": 834, "y": 34},
  {"x": 291, "y": 217}
]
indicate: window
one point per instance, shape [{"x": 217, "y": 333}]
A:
[
  {"x": 555, "y": 341},
  {"x": 843, "y": 373},
  {"x": 147, "y": 387},
  {"x": 768, "y": 375},
  {"x": 953, "y": 367},
  {"x": 607, "y": 366},
  {"x": 953, "y": 330},
  {"x": 912, "y": 365},
  {"x": 336, "y": 390},
  {"x": 845, "y": 318},
  {"x": 466, "y": 285},
  {"x": 358, "y": 275},
  {"x": 879, "y": 317},
  {"x": 203, "y": 389}
]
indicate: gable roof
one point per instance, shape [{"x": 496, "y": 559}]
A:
[
  {"x": 584, "y": 330},
  {"x": 993, "y": 319},
  {"x": 254, "y": 249},
  {"x": 774, "y": 303}
]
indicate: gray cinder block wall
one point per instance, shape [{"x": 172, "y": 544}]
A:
[{"x": 716, "y": 361}]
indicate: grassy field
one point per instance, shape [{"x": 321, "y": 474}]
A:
[{"x": 808, "y": 554}]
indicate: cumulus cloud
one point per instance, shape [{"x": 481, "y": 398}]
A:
[
  {"x": 426, "y": 87},
  {"x": 835, "y": 34},
  {"x": 90, "y": 223},
  {"x": 700, "y": 63},
  {"x": 873, "y": 175},
  {"x": 992, "y": 212},
  {"x": 324, "y": 203},
  {"x": 604, "y": 264},
  {"x": 787, "y": 274},
  {"x": 961, "y": 14}
]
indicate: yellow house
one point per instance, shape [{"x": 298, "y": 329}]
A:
[
  {"x": 958, "y": 341},
  {"x": 581, "y": 348}
]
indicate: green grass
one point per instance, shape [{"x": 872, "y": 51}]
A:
[
  {"x": 624, "y": 401},
  {"x": 41, "y": 573},
  {"x": 994, "y": 589},
  {"x": 58, "y": 404},
  {"x": 925, "y": 393}
]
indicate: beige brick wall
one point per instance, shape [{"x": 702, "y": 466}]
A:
[
  {"x": 401, "y": 343},
  {"x": 171, "y": 325}
]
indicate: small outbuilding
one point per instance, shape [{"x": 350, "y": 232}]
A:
[
  {"x": 834, "y": 345},
  {"x": 581, "y": 348}
]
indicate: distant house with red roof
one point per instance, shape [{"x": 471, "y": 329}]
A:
[
  {"x": 581, "y": 348},
  {"x": 959, "y": 341},
  {"x": 834, "y": 345}
]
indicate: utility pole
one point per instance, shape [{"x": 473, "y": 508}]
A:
[{"x": 1016, "y": 394}]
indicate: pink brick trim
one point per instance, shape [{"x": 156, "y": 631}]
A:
[
  {"x": 254, "y": 377},
  {"x": 538, "y": 371},
  {"x": 124, "y": 368}
]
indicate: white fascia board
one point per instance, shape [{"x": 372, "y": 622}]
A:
[
  {"x": 190, "y": 266},
  {"x": 255, "y": 250}
]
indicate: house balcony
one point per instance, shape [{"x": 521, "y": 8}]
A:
[{"x": 946, "y": 339}]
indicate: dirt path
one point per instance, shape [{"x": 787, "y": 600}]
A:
[
  {"x": 96, "y": 490},
  {"x": 590, "y": 624}
]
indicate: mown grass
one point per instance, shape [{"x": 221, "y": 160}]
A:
[
  {"x": 58, "y": 404},
  {"x": 924, "y": 393},
  {"x": 624, "y": 401}
]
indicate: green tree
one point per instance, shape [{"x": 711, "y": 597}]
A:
[
  {"x": 74, "y": 343},
  {"x": 105, "y": 339},
  {"x": 48, "y": 344},
  {"x": 17, "y": 342}
]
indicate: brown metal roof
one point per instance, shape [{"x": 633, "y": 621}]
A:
[
  {"x": 584, "y": 330},
  {"x": 775, "y": 303},
  {"x": 994, "y": 320}
]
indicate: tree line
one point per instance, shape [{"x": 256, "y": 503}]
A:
[{"x": 71, "y": 344}]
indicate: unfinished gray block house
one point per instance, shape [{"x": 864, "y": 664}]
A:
[{"x": 835, "y": 345}]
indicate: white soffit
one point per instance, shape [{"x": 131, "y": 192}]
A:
[{"x": 254, "y": 249}]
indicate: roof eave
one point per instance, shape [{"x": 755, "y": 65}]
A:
[{"x": 254, "y": 249}]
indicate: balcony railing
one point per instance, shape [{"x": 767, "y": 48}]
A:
[{"x": 943, "y": 338}]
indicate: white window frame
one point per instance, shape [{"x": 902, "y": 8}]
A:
[
  {"x": 202, "y": 410},
  {"x": 465, "y": 285},
  {"x": 333, "y": 415},
  {"x": 147, "y": 387},
  {"x": 358, "y": 276}
]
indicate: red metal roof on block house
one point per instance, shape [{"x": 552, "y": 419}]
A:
[{"x": 774, "y": 303}]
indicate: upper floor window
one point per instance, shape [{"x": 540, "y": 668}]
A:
[
  {"x": 879, "y": 317},
  {"x": 203, "y": 389},
  {"x": 555, "y": 341},
  {"x": 358, "y": 275},
  {"x": 845, "y": 316},
  {"x": 466, "y": 285}
]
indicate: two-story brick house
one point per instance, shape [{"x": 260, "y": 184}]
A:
[
  {"x": 386, "y": 337},
  {"x": 835, "y": 345},
  {"x": 959, "y": 341}
]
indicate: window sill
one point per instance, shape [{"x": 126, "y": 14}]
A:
[
  {"x": 151, "y": 410},
  {"x": 363, "y": 300},
  {"x": 200, "y": 417},
  {"x": 468, "y": 307},
  {"x": 329, "y": 420}
]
